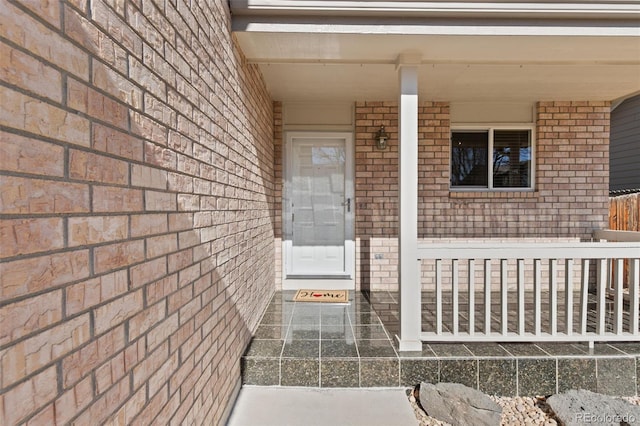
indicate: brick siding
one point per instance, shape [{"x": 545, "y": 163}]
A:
[
  {"x": 569, "y": 201},
  {"x": 137, "y": 207},
  {"x": 278, "y": 170}
]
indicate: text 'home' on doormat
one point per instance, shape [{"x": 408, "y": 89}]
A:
[{"x": 323, "y": 296}]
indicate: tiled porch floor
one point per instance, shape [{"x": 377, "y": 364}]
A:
[{"x": 353, "y": 345}]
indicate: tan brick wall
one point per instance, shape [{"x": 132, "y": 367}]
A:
[
  {"x": 137, "y": 211},
  {"x": 278, "y": 170},
  {"x": 569, "y": 201},
  {"x": 376, "y": 190}
]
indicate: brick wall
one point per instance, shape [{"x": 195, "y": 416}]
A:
[
  {"x": 573, "y": 165},
  {"x": 137, "y": 211},
  {"x": 278, "y": 172},
  {"x": 570, "y": 199},
  {"x": 376, "y": 196}
]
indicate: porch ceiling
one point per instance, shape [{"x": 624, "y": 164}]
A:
[
  {"x": 331, "y": 66},
  {"x": 470, "y": 50}
]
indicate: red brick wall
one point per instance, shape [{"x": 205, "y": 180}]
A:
[
  {"x": 569, "y": 201},
  {"x": 137, "y": 208}
]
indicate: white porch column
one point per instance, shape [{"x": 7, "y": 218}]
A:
[{"x": 409, "y": 267}]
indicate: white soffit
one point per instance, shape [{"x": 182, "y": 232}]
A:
[
  {"x": 377, "y": 48},
  {"x": 451, "y": 82}
]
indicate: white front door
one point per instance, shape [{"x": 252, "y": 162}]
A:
[{"x": 319, "y": 206}]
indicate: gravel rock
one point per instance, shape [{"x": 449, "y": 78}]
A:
[
  {"x": 523, "y": 410},
  {"x": 459, "y": 404},
  {"x": 574, "y": 408},
  {"x": 536, "y": 412}
]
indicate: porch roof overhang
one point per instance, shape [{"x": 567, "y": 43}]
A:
[{"x": 330, "y": 51}]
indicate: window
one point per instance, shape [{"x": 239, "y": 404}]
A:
[{"x": 491, "y": 159}]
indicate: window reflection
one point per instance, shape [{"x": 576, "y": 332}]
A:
[
  {"x": 318, "y": 187},
  {"x": 511, "y": 158},
  {"x": 469, "y": 159},
  {"x": 322, "y": 155}
]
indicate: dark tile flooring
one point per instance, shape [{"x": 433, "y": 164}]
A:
[{"x": 353, "y": 345}]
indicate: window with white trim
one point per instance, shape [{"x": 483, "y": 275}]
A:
[{"x": 494, "y": 158}]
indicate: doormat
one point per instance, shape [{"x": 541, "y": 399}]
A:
[{"x": 322, "y": 296}]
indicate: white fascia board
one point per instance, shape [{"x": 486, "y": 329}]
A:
[
  {"x": 600, "y": 18},
  {"x": 455, "y": 29},
  {"x": 585, "y": 9}
]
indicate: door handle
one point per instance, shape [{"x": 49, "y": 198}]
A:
[{"x": 348, "y": 203}]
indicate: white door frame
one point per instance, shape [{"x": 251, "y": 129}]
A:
[{"x": 347, "y": 278}]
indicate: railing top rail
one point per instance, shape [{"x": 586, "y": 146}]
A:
[
  {"x": 615, "y": 235},
  {"x": 499, "y": 250}
]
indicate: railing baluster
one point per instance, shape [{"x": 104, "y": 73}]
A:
[
  {"x": 601, "y": 294},
  {"x": 504, "y": 313},
  {"x": 618, "y": 266},
  {"x": 537, "y": 296},
  {"x": 487, "y": 296},
  {"x": 472, "y": 296},
  {"x": 634, "y": 294},
  {"x": 438, "y": 296},
  {"x": 584, "y": 296},
  {"x": 521, "y": 286},
  {"x": 553, "y": 297},
  {"x": 454, "y": 295},
  {"x": 568, "y": 295}
]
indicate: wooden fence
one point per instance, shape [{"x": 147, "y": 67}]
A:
[
  {"x": 624, "y": 212},
  {"x": 624, "y": 215}
]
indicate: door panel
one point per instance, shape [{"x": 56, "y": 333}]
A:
[{"x": 319, "y": 216}]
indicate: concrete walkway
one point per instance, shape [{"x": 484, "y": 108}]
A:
[{"x": 279, "y": 406}]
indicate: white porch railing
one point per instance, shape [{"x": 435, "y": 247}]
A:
[{"x": 531, "y": 292}]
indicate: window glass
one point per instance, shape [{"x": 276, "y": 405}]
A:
[
  {"x": 469, "y": 158},
  {"x": 511, "y": 159},
  {"x": 498, "y": 159}
]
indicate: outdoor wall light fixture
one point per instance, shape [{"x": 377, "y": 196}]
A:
[{"x": 381, "y": 138}]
